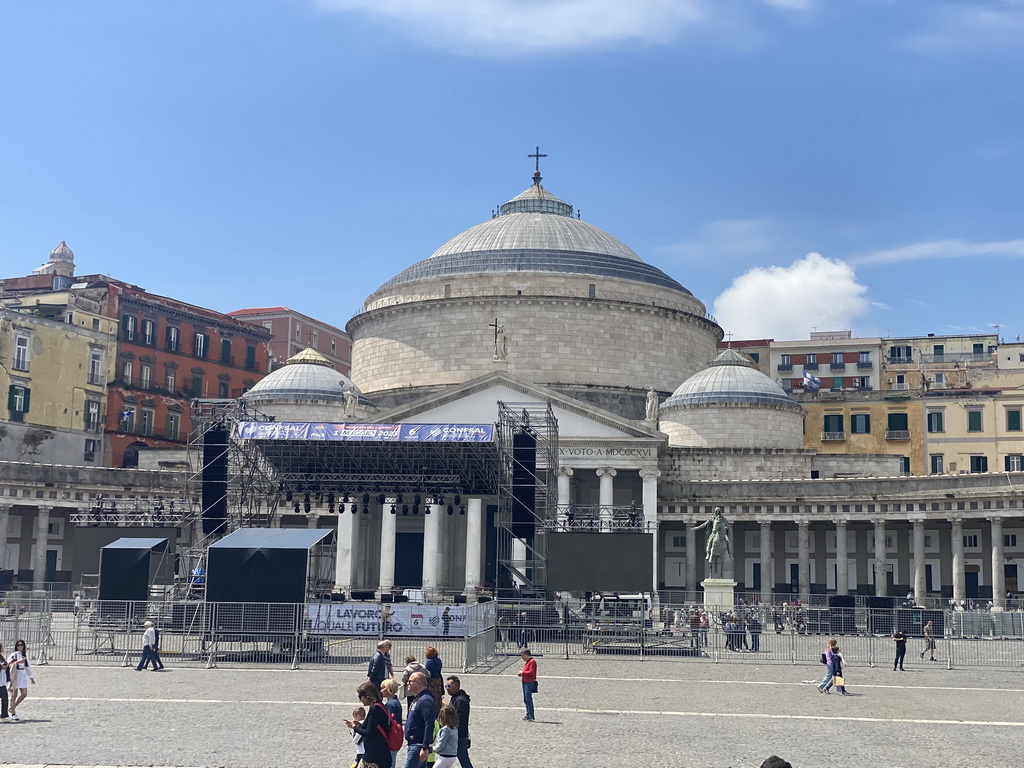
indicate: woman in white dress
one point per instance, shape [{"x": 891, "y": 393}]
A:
[{"x": 20, "y": 671}]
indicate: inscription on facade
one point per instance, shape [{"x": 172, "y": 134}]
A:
[{"x": 569, "y": 452}]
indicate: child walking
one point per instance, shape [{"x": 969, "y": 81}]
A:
[
  {"x": 446, "y": 746},
  {"x": 358, "y": 715},
  {"x": 837, "y": 671}
]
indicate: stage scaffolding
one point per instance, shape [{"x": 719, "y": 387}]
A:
[
  {"x": 251, "y": 491},
  {"x": 522, "y": 560}
]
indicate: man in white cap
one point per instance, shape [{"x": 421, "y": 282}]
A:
[{"x": 148, "y": 648}]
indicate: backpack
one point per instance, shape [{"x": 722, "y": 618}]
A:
[{"x": 395, "y": 735}]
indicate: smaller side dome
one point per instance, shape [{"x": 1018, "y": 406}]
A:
[
  {"x": 731, "y": 404},
  {"x": 62, "y": 254},
  {"x": 307, "y": 375},
  {"x": 730, "y": 378}
]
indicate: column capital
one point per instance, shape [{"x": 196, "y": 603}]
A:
[
  {"x": 802, "y": 521},
  {"x": 650, "y": 473},
  {"x": 841, "y": 521},
  {"x": 764, "y": 520},
  {"x": 566, "y": 471},
  {"x": 606, "y": 472},
  {"x": 878, "y": 522},
  {"x": 47, "y": 507},
  {"x": 6, "y": 505},
  {"x": 957, "y": 520},
  {"x": 998, "y": 519},
  {"x": 917, "y": 519}
]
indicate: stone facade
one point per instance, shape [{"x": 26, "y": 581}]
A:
[{"x": 734, "y": 426}]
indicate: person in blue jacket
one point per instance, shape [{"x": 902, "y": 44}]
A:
[{"x": 419, "y": 721}]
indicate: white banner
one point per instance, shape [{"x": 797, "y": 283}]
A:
[{"x": 404, "y": 619}]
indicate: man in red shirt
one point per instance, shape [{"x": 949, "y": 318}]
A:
[{"x": 528, "y": 674}]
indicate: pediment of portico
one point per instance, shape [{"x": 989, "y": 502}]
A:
[{"x": 580, "y": 425}]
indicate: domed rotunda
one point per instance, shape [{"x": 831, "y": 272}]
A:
[
  {"x": 306, "y": 388},
  {"x": 542, "y": 295},
  {"x": 731, "y": 404}
]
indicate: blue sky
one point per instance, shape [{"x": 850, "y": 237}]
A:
[{"x": 797, "y": 164}]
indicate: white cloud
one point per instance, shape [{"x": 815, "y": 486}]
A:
[
  {"x": 966, "y": 26},
  {"x": 788, "y": 302},
  {"x": 494, "y": 27},
  {"x": 944, "y": 249}
]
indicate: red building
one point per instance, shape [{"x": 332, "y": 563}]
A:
[
  {"x": 168, "y": 353},
  {"x": 294, "y": 332}
]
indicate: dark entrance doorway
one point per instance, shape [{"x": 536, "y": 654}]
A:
[{"x": 409, "y": 559}]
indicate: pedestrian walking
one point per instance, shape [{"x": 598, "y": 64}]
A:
[
  {"x": 419, "y": 721},
  {"x": 837, "y": 672},
  {"x": 528, "y": 674},
  {"x": 78, "y": 604},
  {"x": 19, "y": 669},
  {"x": 929, "y": 641},
  {"x": 379, "y": 668},
  {"x": 446, "y": 743},
  {"x": 372, "y": 728},
  {"x": 900, "y": 638},
  {"x": 148, "y": 646},
  {"x": 411, "y": 666},
  {"x": 4, "y": 703},
  {"x": 389, "y": 692},
  {"x": 157, "y": 663},
  {"x": 434, "y": 681},
  {"x": 755, "y": 634},
  {"x": 826, "y": 658},
  {"x": 460, "y": 702}
]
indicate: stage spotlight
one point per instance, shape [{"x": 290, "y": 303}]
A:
[
  {"x": 405, "y": 509},
  {"x": 416, "y": 500},
  {"x": 416, "y": 509},
  {"x": 381, "y": 498},
  {"x": 288, "y": 496},
  {"x": 366, "y": 509},
  {"x": 451, "y": 510},
  {"x": 394, "y": 509},
  {"x": 439, "y": 499},
  {"x": 458, "y": 498},
  {"x": 462, "y": 509},
  {"x": 330, "y": 507},
  {"x": 330, "y": 498},
  {"x": 355, "y": 508},
  {"x": 399, "y": 498},
  {"x": 366, "y": 498},
  {"x": 306, "y": 506},
  {"x": 298, "y": 509}
]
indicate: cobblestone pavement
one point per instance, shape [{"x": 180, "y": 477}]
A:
[{"x": 600, "y": 712}]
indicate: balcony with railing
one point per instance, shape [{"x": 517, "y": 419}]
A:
[
  {"x": 831, "y": 437},
  {"x": 810, "y": 366},
  {"x": 897, "y": 434},
  {"x": 837, "y": 366},
  {"x": 865, "y": 364},
  {"x": 150, "y": 385},
  {"x": 900, "y": 360},
  {"x": 785, "y": 366},
  {"x": 957, "y": 357}
]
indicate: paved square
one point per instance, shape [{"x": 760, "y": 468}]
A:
[{"x": 600, "y": 712}]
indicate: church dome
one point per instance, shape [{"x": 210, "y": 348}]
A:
[
  {"x": 536, "y": 232},
  {"x": 730, "y": 379},
  {"x": 62, "y": 253},
  {"x": 731, "y": 404},
  {"x": 307, "y": 375}
]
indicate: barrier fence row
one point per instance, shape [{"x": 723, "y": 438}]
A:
[{"x": 333, "y": 635}]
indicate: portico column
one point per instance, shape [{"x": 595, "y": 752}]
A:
[
  {"x": 920, "y": 582},
  {"x": 767, "y": 578},
  {"x": 346, "y": 549},
  {"x": 842, "y": 558},
  {"x": 606, "y": 496},
  {"x": 564, "y": 493},
  {"x": 474, "y": 531},
  {"x": 957, "y": 540},
  {"x": 650, "y": 502},
  {"x": 881, "y": 581},
  {"x": 5, "y": 512},
  {"x": 803, "y": 549},
  {"x": 431, "y": 551},
  {"x": 388, "y": 526},
  {"x": 42, "y": 530},
  {"x": 691, "y": 554},
  {"x": 998, "y": 573}
]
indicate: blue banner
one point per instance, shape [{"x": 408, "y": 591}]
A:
[{"x": 412, "y": 433}]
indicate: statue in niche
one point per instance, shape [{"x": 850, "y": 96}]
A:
[
  {"x": 351, "y": 400},
  {"x": 500, "y": 343},
  {"x": 652, "y": 405}
]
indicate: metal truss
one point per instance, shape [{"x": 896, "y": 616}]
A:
[
  {"x": 594, "y": 517},
  {"x": 530, "y": 573}
]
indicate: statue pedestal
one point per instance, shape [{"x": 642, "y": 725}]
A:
[{"x": 719, "y": 594}]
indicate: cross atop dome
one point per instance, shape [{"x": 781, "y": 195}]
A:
[{"x": 537, "y": 178}]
